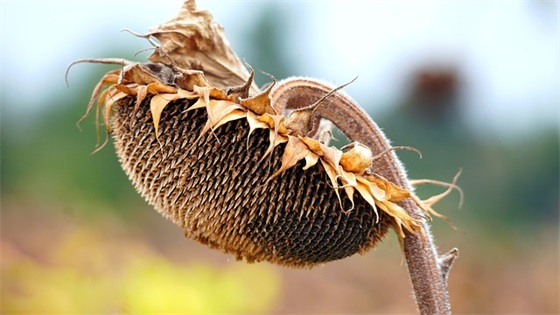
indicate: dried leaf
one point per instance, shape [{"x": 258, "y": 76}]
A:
[
  {"x": 400, "y": 215},
  {"x": 331, "y": 155},
  {"x": 192, "y": 40},
  {"x": 350, "y": 193},
  {"x": 188, "y": 79},
  {"x": 347, "y": 178},
  {"x": 187, "y": 94},
  {"x": 98, "y": 110},
  {"x": 394, "y": 193},
  {"x": 219, "y": 111},
  {"x": 111, "y": 97},
  {"x": 126, "y": 89},
  {"x": 364, "y": 192},
  {"x": 274, "y": 139},
  {"x": 207, "y": 92},
  {"x": 242, "y": 91},
  {"x": 349, "y": 183},
  {"x": 332, "y": 175},
  {"x": 274, "y": 122},
  {"x": 200, "y": 103},
  {"x": 233, "y": 115},
  {"x": 141, "y": 74},
  {"x": 314, "y": 145},
  {"x": 111, "y": 77}
]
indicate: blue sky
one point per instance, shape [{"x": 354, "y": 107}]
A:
[{"x": 507, "y": 51}]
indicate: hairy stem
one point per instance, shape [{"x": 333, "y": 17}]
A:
[{"x": 428, "y": 272}]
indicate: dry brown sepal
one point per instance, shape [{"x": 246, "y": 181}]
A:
[{"x": 349, "y": 171}]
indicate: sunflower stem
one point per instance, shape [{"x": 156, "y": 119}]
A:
[{"x": 428, "y": 271}]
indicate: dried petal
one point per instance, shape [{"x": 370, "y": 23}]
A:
[
  {"x": 142, "y": 91},
  {"x": 310, "y": 160},
  {"x": 260, "y": 103},
  {"x": 157, "y": 104},
  {"x": 111, "y": 77},
  {"x": 220, "y": 112},
  {"x": 300, "y": 122},
  {"x": 157, "y": 88},
  {"x": 254, "y": 122},
  {"x": 140, "y": 74},
  {"x": 112, "y": 96},
  {"x": 294, "y": 151}
]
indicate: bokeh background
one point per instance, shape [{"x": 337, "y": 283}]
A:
[{"x": 474, "y": 85}]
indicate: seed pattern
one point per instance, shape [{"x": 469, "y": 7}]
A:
[{"x": 218, "y": 187}]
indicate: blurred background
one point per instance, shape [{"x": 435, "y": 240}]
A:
[{"x": 473, "y": 85}]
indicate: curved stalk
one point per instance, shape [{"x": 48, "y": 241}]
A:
[{"x": 428, "y": 271}]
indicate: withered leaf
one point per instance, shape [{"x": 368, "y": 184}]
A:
[
  {"x": 394, "y": 193},
  {"x": 310, "y": 160},
  {"x": 109, "y": 78},
  {"x": 139, "y": 74},
  {"x": 193, "y": 40},
  {"x": 275, "y": 139},
  {"x": 314, "y": 145},
  {"x": 187, "y": 94},
  {"x": 126, "y": 89},
  {"x": 112, "y": 96},
  {"x": 372, "y": 188},
  {"x": 188, "y": 79}
]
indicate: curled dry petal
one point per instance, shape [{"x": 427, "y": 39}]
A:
[
  {"x": 146, "y": 74},
  {"x": 357, "y": 159},
  {"x": 157, "y": 104},
  {"x": 294, "y": 151}
]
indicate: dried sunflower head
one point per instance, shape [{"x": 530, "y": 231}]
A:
[{"x": 210, "y": 152}]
